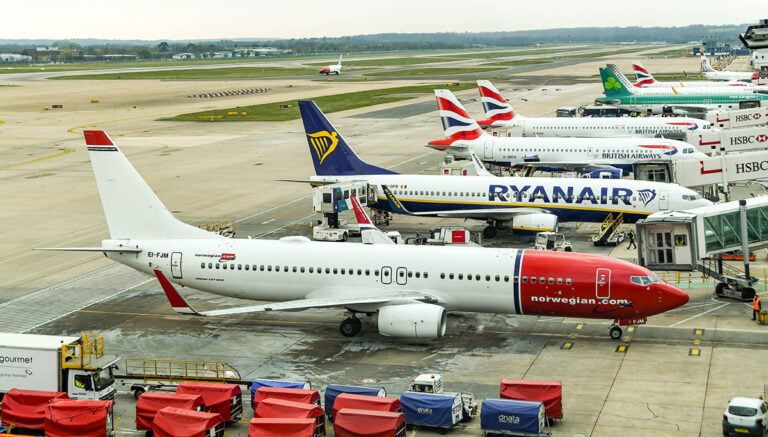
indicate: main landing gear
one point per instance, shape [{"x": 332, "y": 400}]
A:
[
  {"x": 491, "y": 230},
  {"x": 615, "y": 332},
  {"x": 351, "y": 326}
]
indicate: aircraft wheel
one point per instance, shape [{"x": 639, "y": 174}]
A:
[
  {"x": 615, "y": 332},
  {"x": 344, "y": 237},
  {"x": 337, "y": 73},
  {"x": 350, "y": 327},
  {"x": 490, "y": 232},
  {"x": 747, "y": 293},
  {"x": 720, "y": 288}
]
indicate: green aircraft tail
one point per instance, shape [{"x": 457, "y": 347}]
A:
[{"x": 612, "y": 86}]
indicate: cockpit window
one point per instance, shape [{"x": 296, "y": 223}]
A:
[
  {"x": 644, "y": 280},
  {"x": 691, "y": 197}
]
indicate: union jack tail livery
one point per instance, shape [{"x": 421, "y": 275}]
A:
[
  {"x": 457, "y": 123},
  {"x": 495, "y": 105},
  {"x": 331, "y": 155},
  {"x": 642, "y": 75}
]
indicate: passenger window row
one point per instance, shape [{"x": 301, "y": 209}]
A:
[
  {"x": 303, "y": 269},
  {"x": 543, "y": 280}
]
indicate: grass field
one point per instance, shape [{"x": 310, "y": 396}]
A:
[
  {"x": 395, "y": 61},
  {"x": 334, "y": 103},
  {"x": 528, "y": 52},
  {"x": 432, "y": 72},
  {"x": 520, "y": 62},
  {"x": 198, "y": 73}
]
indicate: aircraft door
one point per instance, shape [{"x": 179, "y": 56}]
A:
[
  {"x": 176, "y": 265},
  {"x": 603, "y": 284},
  {"x": 488, "y": 149},
  {"x": 401, "y": 276},
  {"x": 664, "y": 200},
  {"x": 386, "y": 275}
]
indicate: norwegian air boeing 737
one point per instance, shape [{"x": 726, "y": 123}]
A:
[
  {"x": 499, "y": 113},
  {"x": 464, "y": 134},
  {"x": 410, "y": 287},
  {"x": 328, "y": 69},
  {"x": 524, "y": 205},
  {"x": 712, "y": 74}
]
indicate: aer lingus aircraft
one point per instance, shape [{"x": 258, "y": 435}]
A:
[
  {"x": 500, "y": 114},
  {"x": 524, "y": 205},
  {"x": 550, "y": 152},
  {"x": 621, "y": 93},
  {"x": 411, "y": 288}
]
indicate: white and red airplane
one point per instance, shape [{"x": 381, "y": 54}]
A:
[
  {"x": 328, "y": 69},
  {"x": 500, "y": 114},
  {"x": 712, "y": 74},
  {"x": 411, "y": 288},
  {"x": 644, "y": 79}
]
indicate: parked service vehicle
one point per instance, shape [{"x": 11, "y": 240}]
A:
[
  {"x": 143, "y": 375},
  {"x": 425, "y": 403},
  {"x": 74, "y": 365},
  {"x": 746, "y": 416},
  {"x": 552, "y": 241},
  {"x": 333, "y": 390},
  {"x": 510, "y": 417}
]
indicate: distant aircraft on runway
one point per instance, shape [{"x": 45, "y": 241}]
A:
[
  {"x": 524, "y": 205},
  {"x": 328, "y": 69},
  {"x": 621, "y": 93},
  {"x": 463, "y": 134},
  {"x": 644, "y": 79},
  {"x": 500, "y": 114},
  {"x": 712, "y": 74},
  {"x": 410, "y": 287}
]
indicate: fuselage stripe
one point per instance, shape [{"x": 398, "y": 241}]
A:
[{"x": 517, "y": 273}]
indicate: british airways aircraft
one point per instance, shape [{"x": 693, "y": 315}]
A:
[
  {"x": 524, "y": 205},
  {"x": 464, "y": 134},
  {"x": 500, "y": 114},
  {"x": 644, "y": 79},
  {"x": 410, "y": 288},
  {"x": 712, "y": 74}
]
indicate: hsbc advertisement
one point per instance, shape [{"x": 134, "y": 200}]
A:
[
  {"x": 738, "y": 118},
  {"x": 737, "y": 167},
  {"x": 732, "y": 140}
]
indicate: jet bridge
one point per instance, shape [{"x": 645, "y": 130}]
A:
[{"x": 697, "y": 239}]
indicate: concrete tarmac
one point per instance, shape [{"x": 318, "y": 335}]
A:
[{"x": 673, "y": 376}]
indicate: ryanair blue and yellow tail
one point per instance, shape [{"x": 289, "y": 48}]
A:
[
  {"x": 331, "y": 155},
  {"x": 613, "y": 86}
]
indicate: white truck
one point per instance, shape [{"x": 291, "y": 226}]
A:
[
  {"x": 331, "y": 200},
  {"x": 463, "y": 406},
  {"x": 75, "y": 365}
]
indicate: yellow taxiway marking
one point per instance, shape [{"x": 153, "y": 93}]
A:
[
  {"x": 623, "y": 348},
  {"x": 85, "y": 126},
  {"x": 64, "y": 151},
  {"x": 567, "y": 346},
  {"x": 694, "y": 352}
]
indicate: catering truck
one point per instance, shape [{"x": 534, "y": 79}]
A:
[{"x": 57, "y": 363}]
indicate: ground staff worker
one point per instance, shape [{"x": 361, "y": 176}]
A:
[{"x": 756, "y": 306}]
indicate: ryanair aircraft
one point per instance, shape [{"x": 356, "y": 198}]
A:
[
  {"x": 524, "y": 205},
  {"x": 464, "y": 134}
]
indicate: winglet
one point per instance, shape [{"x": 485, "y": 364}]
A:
[
  {"x": 362, "y": 217},
  {"x": 370, "y": 233},
  {"x": 394, "y": 204},
  {"x": 177, "y": 302}
]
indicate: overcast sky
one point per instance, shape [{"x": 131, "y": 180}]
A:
[{"x": 209, "y": 19}]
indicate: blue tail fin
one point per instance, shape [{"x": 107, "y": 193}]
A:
[{"x": 331, "y": 155}]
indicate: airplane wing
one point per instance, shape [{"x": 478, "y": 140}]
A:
[
  {"x": 93, "y": 249},
  {"x": 572, "y": 166},
  {"x": 320, "y": 299},
  {"x": 479, "y": 166}
]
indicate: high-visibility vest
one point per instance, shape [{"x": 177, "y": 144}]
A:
[{"x": 756, "y": 303}]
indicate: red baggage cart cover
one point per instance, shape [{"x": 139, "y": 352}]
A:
[
  {"x": 67, "y": 418},
  {"x": 357, "y": 423},
  {"x": 178, "y": 422},
  {"x": 273, "y": 407},
  {"x": 287, "y": 394},
  {"x": 26, "y": 408},
  {"x": 215, "y": 396},
  {"x": 363, "y": 402},
  {"x": 281, "y": 427},
  {"x": 549, "y": 392},
  {"x": 150, "y": 403}
]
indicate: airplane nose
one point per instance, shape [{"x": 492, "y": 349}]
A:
[{"x": 673, "y": 297}]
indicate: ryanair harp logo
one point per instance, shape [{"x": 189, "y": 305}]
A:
[
  {"x": 324, "y": 143},
  {"x": 646, "y": 196}
]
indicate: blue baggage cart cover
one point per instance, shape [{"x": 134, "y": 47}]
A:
[
  {"x": 334, "y": 390},
  {"x": 511, "y": 415},
  {"x": 259, "y": 383},
  {"x": 427, "y": 409}
]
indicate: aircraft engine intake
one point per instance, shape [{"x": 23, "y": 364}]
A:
[
  {"x": 530, "y": 223},
  {"x": 414, "y": 320}
]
